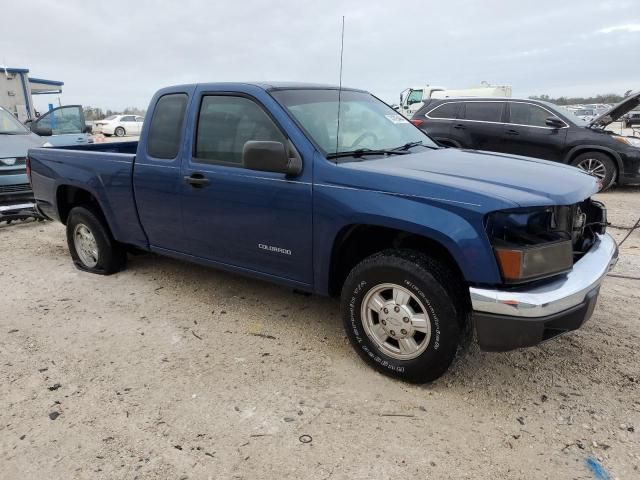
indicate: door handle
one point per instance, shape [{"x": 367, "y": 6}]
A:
[
  {"x": 196, "y": 180},
  {"x": 459, "y": 126},
  {"x": 512, "y": 132}
]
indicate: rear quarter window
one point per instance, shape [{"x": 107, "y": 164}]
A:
[
  {"x": 165, "y": 130},
  {"x": 444, "y": 111}
]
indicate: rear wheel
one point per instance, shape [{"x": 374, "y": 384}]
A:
[
  {"x": 120, "y": 132},
  {"x": 403, "y": 312},
  {"x": 598, "y": 164},
  {"x": 91, "y": 244}
]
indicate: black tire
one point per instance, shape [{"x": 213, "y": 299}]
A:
[
  {"x": 107, "y": 134},
  {"x": 111, "y": 257},
  {"x": 431, "y": 282},
  {"x": 120, "y": 132},
  {"x": 598, "y": 160}
]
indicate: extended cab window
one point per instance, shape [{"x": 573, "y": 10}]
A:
[
  {"x": 484, "y": 111},
  {"x": 226, "y": 123},
  {"x": 446, "y": 110},
  {"x": 527, "y": 114},
  {"x": 166, "y": 125}
]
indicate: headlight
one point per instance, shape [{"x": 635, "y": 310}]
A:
[
  {"x": 532, "y": 244},
  {"x": 634, "y": 142}
]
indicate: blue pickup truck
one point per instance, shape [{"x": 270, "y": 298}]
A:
[{"x": 330, "y": 191}]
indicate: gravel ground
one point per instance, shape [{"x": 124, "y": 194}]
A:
[{"x": 170, "y": 370}]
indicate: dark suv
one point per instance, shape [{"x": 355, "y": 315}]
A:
[{"x": 536, "y": 129}]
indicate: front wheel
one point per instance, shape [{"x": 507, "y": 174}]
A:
[
  {"x": 120, "y": 132},
  {"x": 599, "y": 165},
  {"x": 404, "y": 312},
  {"x": 91, "y": 244}
]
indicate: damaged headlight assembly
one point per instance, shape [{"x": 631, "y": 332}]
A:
[{"x": 532, "y": 244}]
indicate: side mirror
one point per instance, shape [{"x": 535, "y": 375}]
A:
[
  {"x": 554, "y": 122},
  {"x": 268, "y": 156},
  {"x": 42, "y": 131},
  {"x": 87, "y": 129}
]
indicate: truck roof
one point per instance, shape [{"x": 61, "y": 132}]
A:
[{"x": 266, "y": 85}]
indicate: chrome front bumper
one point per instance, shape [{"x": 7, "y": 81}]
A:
[{"x": 554, "y": 297}]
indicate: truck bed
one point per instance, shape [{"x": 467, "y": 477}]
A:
[
  {"x": 110, "y": 147},
  {"x": 104, "y": 169}
]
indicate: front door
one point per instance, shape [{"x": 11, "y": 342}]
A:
[
  {"x": 527, "y": 133},
  {"x": 67, "y": 126},
  {"x": 259, "y": 221}
]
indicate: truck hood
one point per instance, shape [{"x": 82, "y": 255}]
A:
[
  {"x": 614, "y": 113},
  {"x": 492, "y": 180},
  {"x": 18, "y": 145}
]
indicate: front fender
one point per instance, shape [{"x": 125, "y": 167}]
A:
[
  {"x": 457, "y": 229},
  {"x": 598, "y": 148}
]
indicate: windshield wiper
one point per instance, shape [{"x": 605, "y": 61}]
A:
[
  {"x": 409, "y": 145},
  {"x": 365, "y": 151}
]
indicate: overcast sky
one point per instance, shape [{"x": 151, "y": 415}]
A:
[{"x": 116, "y": 53}]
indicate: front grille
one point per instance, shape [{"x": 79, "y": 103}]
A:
[
  {"x": 581, "y": 222},
  {"x": 13, "y": 161},
  {"x": 24, "y": 187}
]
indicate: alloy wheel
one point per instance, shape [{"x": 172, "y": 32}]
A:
[
  {"x": 396, "y": 321},
  {"x": 86, "y": 245},
  {"x": 594, "y": 167}
]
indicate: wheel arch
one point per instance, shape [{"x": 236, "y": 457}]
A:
[
  {"x": 448, "y": 142},
  {"x": 354, "y": 242},
  {"x": 69, "y": 196},
  {"x": 577, "y": 150}
]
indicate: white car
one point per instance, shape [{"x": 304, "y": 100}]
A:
[{"x": 119, "y": 125}]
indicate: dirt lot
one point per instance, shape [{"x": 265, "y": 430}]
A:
[{"x": 170, "y": 370}]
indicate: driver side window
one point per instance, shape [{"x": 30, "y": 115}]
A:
[{"x": 226, "y": 123}]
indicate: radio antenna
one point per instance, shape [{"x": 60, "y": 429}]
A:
[{"x": 340, "y": 86}]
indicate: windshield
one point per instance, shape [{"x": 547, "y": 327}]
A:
[
  {"x": 9, "y": 125},
  {"x": 569, "y": 115},
  {"x": 366, "y": 123},
  {"x": 112, "y": 117}
]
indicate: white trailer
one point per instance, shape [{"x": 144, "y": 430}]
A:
[{"x": 411, "y": 99}]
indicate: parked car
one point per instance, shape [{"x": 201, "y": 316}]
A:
[
  {"x": 421, "y": 242},
  {"x": 61, "y": 126},
  {"x": 16, "y": 196},
  {"x": 119, "y": 125},
  {"x": 631, "y": 119},
  {"x": 536, "y": 129},
  {"x": 585, "y": 114}
]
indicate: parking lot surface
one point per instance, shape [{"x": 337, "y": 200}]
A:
[{"x": 172, "y": 370}]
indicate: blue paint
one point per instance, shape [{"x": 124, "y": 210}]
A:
[
  {"x": 52, "y": 117},
  {"x": 27, "y": 98},
  {"x": 45, "y": 82},
  {"x": 596, "y": 468}
]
